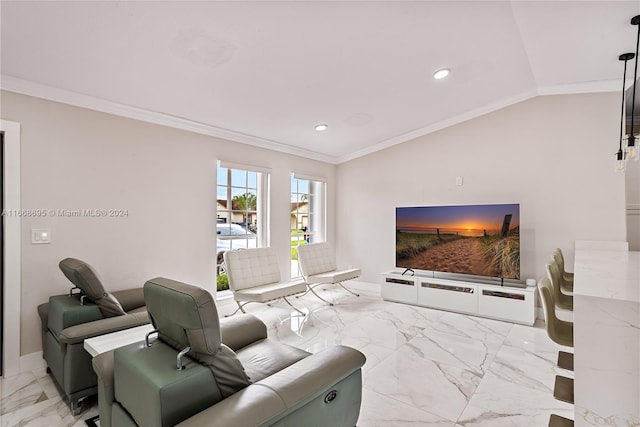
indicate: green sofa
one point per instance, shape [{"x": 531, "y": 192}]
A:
[
  {"x": 231, "y": 373},
  {"x": 85, "y": 312}
]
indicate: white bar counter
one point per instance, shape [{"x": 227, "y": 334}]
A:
[{"x": 606, "y": 335}]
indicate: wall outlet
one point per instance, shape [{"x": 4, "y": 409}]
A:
[{"x": 40, "y": 236}]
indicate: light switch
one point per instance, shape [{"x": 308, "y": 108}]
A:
[
  {"x": 459, "y": 181},
  {"x": 40, "y": 236}
]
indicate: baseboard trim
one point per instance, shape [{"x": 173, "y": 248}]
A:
[{"x": 365, "y": 288}]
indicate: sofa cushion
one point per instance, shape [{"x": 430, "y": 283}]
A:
[
  {"x": 130, "y": 299},
  {"x": 334, "y": 276},
  {"x": 266, "y": 357},
  {"x": 269, "y": 292},
  {"x": 142, "y": 309},
  {"x": 242, "y": 330}
]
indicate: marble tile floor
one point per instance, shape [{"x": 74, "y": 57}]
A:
[
  {"x": 424, "y": 367},
  {"x": 32, "y": 399}
]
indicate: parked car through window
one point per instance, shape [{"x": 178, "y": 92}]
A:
[{"x": 233, "y": 236}]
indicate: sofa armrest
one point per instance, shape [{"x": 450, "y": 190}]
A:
[
  {"x": 251, "y": 406},
  {"x": 303, "y": 379},
  {"x": 287, "y": 390},
  {"x": 78, "y": 333},
  {"x": 43, "y": 313},
  {"x": 130, "y": 299},
  {"x": 240, "y": 331},
  {"x": 103, "y": 367}
]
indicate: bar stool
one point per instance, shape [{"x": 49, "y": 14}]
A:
[
  {"x": 558, "y": 421},
  {"x": 565, "y": 360},
  {"x": 566, "y": 282},
  {"x": 561, "y": 300},
  {"x": 560, "y": 332}
]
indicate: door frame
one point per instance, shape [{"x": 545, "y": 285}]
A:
[{"x": 12, "y": 250}]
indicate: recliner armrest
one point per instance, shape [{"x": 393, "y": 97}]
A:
[
  {"x": 268, "y": 399},
  {"x": 251, "y": 406},
  {"x": 103, "y": 367},
  {"x": 304, "y": 378},
  {"x": 78, "y": 333},
  {"x": 240, "y": 331}
]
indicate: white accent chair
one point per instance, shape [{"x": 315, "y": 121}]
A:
[
  {"x": 254, "y": 276},
  {"x": 317, "y": 263}
]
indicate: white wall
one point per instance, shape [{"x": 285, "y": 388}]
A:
[
  {"x": 74, "y": 158},
  {"x": 554, "y": 155}
]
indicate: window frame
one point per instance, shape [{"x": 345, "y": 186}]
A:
[
  {"x": 316, "y": 214},
  {"x": 262, "y": 203}
]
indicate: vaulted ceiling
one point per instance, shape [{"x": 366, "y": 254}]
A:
[{"x": 265, "y": 73}]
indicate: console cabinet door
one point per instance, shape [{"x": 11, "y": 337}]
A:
[
  {"x": 453, "y": 297},
  {"x": 400, "y": 289},
  {"x": 508, "y": 304}
]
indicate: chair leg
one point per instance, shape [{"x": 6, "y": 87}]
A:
[
  {"x": 563, "y": 389},
  {"x": 318, "y": 296},
  {"x": 76, "y": 406},
  {"x": 347, "y": 289},
  {"x": 240, "y": 308},
  {"x": 292, "y": 306},
  {"x": 565, "y": 360},
  {"x": 558, "y": 421},
  {"x": 306, "y": 292}
]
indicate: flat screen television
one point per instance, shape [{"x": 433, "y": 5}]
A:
[{"x": 479, "y": 240}]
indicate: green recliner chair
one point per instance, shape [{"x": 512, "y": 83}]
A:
[
  {"x": 86, "y": 311},
  {"x": 204, "y": 371}
]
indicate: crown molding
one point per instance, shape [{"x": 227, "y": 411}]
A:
[
  {"x": 26, "y": 87},
  {"x": 439, "y": 125},
  {"x": 584, "y": 87},
  {"x": 568, "y": 89}
]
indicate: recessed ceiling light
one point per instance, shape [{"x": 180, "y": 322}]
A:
[
  {"x": 320, "y": 127},
  {"x": 441, "y": 74}
]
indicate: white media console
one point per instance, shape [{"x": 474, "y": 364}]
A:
[{"x": 513, "y": 304}]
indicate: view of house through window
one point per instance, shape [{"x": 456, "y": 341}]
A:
[
  {"x": 307, "y": 216},
  {"x": 238, "y": 214}
]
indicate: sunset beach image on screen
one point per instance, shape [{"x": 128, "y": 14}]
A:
[{"x": 481, "y": 240}]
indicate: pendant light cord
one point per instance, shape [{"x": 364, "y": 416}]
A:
[
  {"x": 624, "y": 76},
  {"x": 635, "y": 78}
]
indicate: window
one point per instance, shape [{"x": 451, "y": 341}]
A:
[
  {"x": 241, "y": 215},
  {"x": 307, "y": 215}
]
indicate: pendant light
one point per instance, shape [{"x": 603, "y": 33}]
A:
[
  {"x": 631, "y": 150},
  {"x": 620, "y": 164}
]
